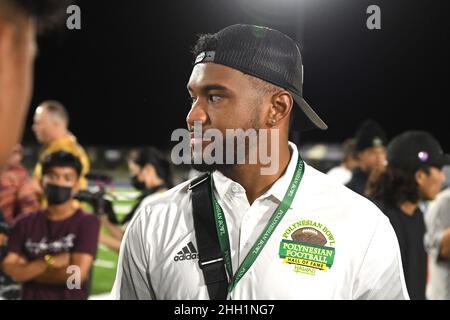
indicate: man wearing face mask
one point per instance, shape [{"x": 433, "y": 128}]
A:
[
  {"x": 51, "y": 251},
  {"x": 150, "y": 174}
]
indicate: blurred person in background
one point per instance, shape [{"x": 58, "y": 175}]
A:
[
  {"x": 370, "y": 154},
  {"x": 3, "y": 234},
  {"x": 17, "y": 195},
  {"x": 42, "y": 245},
  {"x": 51, "y": 122},
  {"x": 437, "y": 244},
  {"x": 414, "y": 173},
  {"x": 343, "y": 172},
  {"x": 9, "y": 289},
  {"x": 20, "y": 20},
  {"x": 150, "y": 174}
]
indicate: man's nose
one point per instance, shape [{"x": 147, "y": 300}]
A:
[{"x": 197, "y": 113}]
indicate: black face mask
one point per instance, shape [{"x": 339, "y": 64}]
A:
[
  {"x": 57, "y": 194},
  {"x": 137, "y": 184}
]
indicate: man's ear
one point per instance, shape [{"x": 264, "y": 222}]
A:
[
  {"x": 420, "y": 176},
  {"x": 282, "y": 103}
]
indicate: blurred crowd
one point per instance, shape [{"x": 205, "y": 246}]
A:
[{"x": 42, "y": 213}]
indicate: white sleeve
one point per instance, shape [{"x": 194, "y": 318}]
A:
[
  {"x": 437, "y": 219},
  {"x": 132, "y": 278},
  {"x": 381, "y": 273}
]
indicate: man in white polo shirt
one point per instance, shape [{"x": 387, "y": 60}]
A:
[{"x": 290, "y": 234}]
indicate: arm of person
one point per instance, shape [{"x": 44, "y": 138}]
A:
[
  {"x": 60, "y": 275},
  {"x": 132, "y": 278},
  {"x": 20, "y": 270},
  {"x": 14, "y": 264},
  {"x": 110, "y": 242},
  {"x": 380, "y": 275},
  {"x": 115, "y": 231},
  {"x": 82, "y": 257}
]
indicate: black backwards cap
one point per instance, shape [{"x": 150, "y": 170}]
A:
[{"x": 266, "y": 54}]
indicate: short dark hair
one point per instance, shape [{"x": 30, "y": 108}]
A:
[
  {"x": 47, "y": 13},
  {"x": 61, "y": 159},
  {"x": 154, "y": 157},
  {"x": 395, "y": 186},
  {"x": 205, "y": 42}
]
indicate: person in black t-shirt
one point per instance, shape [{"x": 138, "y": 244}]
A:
[{"x": 413, "y": 174}]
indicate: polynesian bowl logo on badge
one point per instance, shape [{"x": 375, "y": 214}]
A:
[{"x": 308, "y": 246}]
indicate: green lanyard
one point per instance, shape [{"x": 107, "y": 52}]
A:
[{"x": 222, "y": 230}]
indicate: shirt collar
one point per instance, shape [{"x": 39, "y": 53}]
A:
[
  {"x": 223, "y": 183},
  {"x": 277, "y": 190},
  {"x": 66, "y": 139}
]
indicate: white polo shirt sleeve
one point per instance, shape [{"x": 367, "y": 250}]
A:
[
  {"x": 132, "y": 278},
  {"x": 381, "y": 273}
]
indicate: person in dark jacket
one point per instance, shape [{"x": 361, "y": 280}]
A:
[
  {"x": 413, "y": 174},
  {"x": 370, "y": 153}
]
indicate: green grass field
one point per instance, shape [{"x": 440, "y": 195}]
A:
[{"x": 105, "y": 264}]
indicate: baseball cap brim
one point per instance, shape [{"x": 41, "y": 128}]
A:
[
  {"x": 444, "y": 160},
  {"x": 314, "y": 120}
]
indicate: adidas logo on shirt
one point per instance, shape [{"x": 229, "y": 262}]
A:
[{"x": 187, "y": 253}]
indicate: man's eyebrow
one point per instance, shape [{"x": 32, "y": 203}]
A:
[{"x": 209, "y": 87}]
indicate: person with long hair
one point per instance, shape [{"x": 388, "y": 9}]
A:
[{"x": 413, "y": 174}]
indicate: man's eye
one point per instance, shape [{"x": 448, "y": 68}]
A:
[
  {"x": 192, "y": 99},
  {"x": 214, "y": 98}
]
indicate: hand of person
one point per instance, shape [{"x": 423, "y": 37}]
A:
[
  {"x": 61, "y": 260},
  {"x": 108, "y": 211}
]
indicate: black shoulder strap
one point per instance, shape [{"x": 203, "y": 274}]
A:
[{"x": 210, "y": 256}]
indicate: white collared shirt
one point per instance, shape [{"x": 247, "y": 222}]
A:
[{"x": 331, "y": 244}]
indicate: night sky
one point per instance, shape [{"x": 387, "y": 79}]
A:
[{"x": 123, "y": 75}]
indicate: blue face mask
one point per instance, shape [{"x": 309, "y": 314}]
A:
[{"x": 56, "y": 194}]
